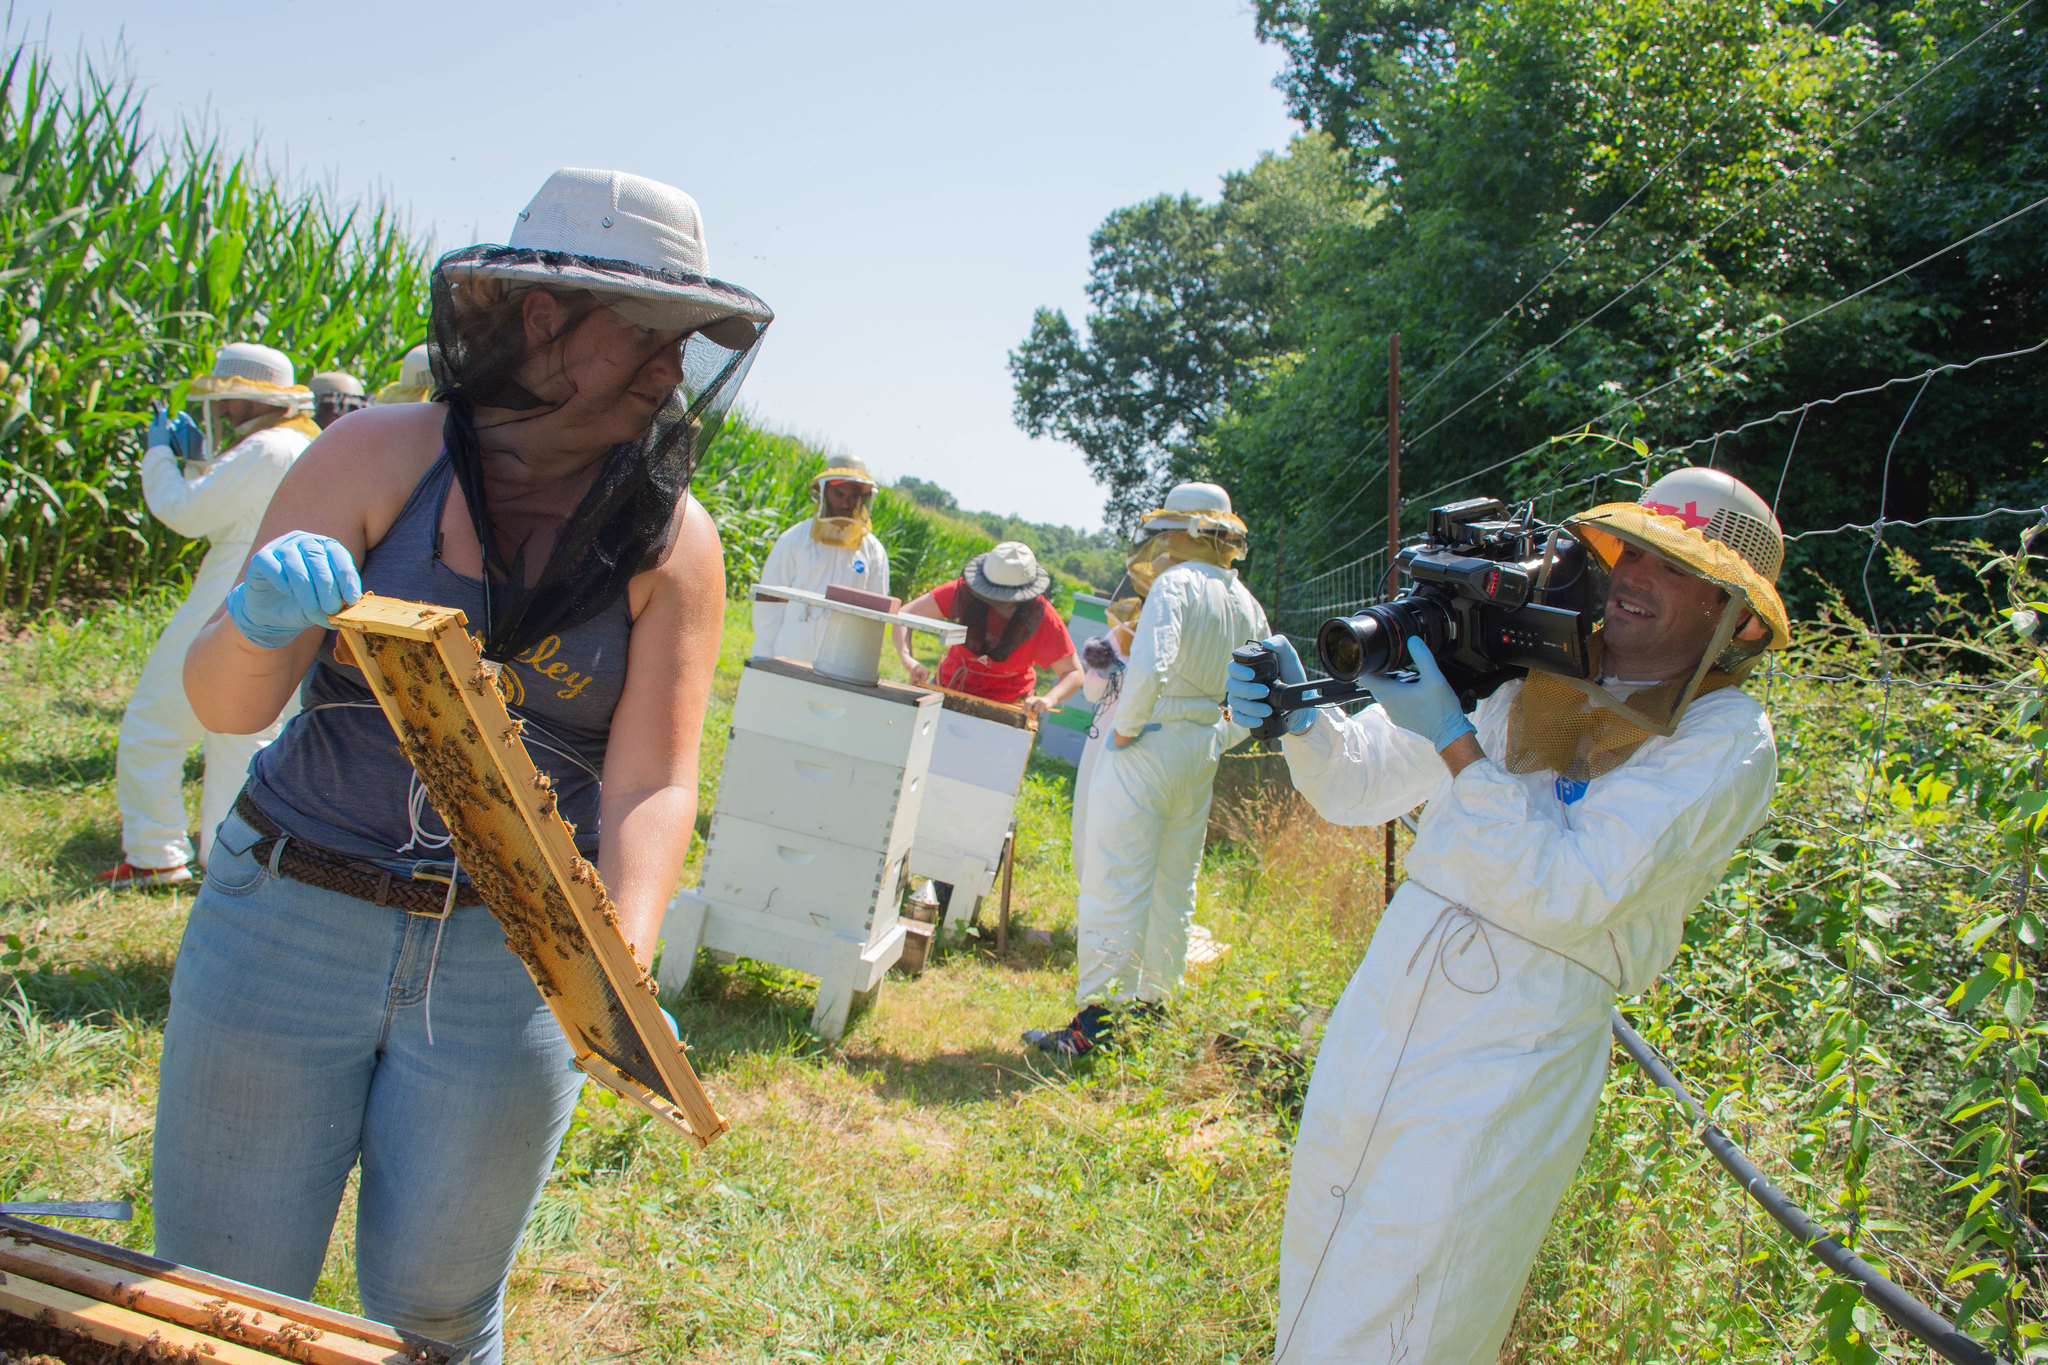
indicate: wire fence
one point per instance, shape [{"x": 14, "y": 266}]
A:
[
  {"x": 1858, "y": 998},
  {"x": 1334, "y": 592},
  {"x": 1856, "y": 1002}
]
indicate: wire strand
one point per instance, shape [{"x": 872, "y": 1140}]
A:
[{"x": 1730, "y": 217}]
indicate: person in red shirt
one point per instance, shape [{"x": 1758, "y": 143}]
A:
[{"x": 1012, "y": 632}]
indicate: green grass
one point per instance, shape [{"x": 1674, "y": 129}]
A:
[{"x": 923, "y": 1191}]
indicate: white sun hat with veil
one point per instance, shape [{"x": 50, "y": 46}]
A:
[
  {"x": 253, "y": 373},
  {"x": 635, "y": 246},
  {"x": 634, "y": 243},
  {"x": 1198, "y": 508},
  {"x": 1200, "y": 514},
  {"x": 415, "y": 382}
]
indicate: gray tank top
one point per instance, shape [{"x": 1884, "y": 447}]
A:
[{"x": 336, "y": 777}]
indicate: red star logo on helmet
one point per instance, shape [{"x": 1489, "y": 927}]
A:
[{"x": 1689, "y": 514}]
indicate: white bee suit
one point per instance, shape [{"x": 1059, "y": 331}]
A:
[
  {"x": 1459, "y": 1074},
  {"x": 1096, "y": 688},
  {"x": 224, "y": 502},
  {"x": 785, "y": 630},
  {"x": 1148, "y": 803}
]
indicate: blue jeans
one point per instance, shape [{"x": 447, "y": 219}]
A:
[{"x": 297, "y": 1047}]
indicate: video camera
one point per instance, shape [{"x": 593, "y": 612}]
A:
[{"x": 1491, "y": 594}]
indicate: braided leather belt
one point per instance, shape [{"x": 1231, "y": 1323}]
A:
[{"x": 288, "y": 856}]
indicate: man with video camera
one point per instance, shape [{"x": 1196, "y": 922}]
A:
[{"x": 1571, "y": 824}]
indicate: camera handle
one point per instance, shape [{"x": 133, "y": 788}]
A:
[
  {"x": 1291, "y": 697},
  {"x": 1287, "y": 698}
]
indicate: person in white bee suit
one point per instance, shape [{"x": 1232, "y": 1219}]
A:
[
  {"x": 1148, "y": 796},
  {"x": 834, "y": 545},
  {"x": 1104, "y": 661},
  {"x": 1571, "y": 826},
  {"x": 415, "y": 382},
  {"x": 259, "y": 421}
]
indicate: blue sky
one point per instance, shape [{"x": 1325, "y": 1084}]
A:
[{"x": 903, "y": 182}]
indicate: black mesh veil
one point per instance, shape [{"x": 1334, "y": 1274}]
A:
[
  {"x": 624, "y": 524},
  {"x": 972, "y": 611}
]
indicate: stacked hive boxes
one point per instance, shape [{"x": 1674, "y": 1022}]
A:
[
  {"x": 977, "y": 765},
  {"x": 817, "y": 803}
]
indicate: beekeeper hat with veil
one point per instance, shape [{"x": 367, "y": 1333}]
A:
[
  {"x": 1713, "y": 526},
  {"x": 252, "y": 373},
  {"x": 415, "y": 382},
  {"x": 843, "y": 532},
  {"x": 1195, "y": 522},
  {"x": 593, "y": 239},
  {"x": 336, "y": 393}
]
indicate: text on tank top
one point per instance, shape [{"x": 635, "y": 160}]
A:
[{"x": 336, "y": 776}]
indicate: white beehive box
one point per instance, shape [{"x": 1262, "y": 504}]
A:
[
  {"x": 817, "y": 803},
  {"x": 977, "y": 767}
]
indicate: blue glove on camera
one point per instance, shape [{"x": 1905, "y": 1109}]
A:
[
  {"x": 180, "y": 433},
  {"x": 1427, "y": 706},
  {"x": 293, "y": 584},
  {"x": 1248, "y": 697}
]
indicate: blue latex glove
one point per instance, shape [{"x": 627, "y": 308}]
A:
[
  {"x": 187, "y": 441},
  {"x": 1428, "y": 706},
  {"x": 294, "y": 584},
  {"x": 180, "y": 433},
  {"x": 1247, "y": 698}
]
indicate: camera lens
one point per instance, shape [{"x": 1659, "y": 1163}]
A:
[
  {"x": 1376, "y": 639},
  {"x": 1351, "y": 645}
]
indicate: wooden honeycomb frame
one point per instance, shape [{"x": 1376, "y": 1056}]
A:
[
  {"x": 81, "y": 1289},
  {"x": 443, "y": 701}
]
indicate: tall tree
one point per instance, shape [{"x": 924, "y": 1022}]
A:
[
  {"x": 1623, "y": 213},
  {"x": 1189, "y": 300}
]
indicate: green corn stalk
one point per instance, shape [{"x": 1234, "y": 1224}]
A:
[{"x": 127, "y": 260}]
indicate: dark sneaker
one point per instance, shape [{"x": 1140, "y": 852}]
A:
[{"x": 1078, "y": 1037}]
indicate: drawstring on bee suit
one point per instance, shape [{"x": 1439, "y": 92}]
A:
[
  {"x": 415, "y": 814},
  {"x": 434, "y": 954}
]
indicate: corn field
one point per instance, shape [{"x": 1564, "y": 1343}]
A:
[
  {"x": 127, "y": 263},
  {"x": 127, "y": 260}
]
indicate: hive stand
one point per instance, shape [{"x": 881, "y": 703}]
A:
[
  {"x": 817, "y": 800},
  {"x": 970, "y": 801},
  {"x": 442, "y": 700}
]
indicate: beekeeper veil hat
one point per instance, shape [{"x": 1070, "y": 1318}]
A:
[
  {"x": 415, "y": 382},
  {"x": 844, "y": 532},
  {"x": 252, "y": 373},
  {"x": 1195, "y": 522},
  {"x": 335, "y": 393},
  {"x": 593, "y": 239},
  {"x": 1714, "y": 527}
]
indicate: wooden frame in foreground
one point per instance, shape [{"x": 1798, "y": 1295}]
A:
[
  {"x": 169, "y": 1312},
  {"x": 443, "y": 701}
]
